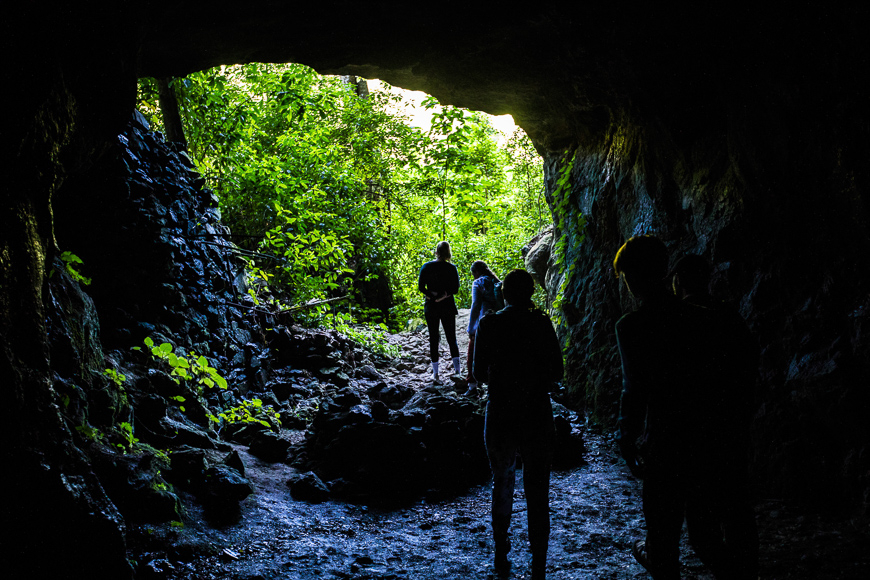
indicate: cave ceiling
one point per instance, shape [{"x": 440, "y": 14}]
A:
[{"x": 563, "y": 71}]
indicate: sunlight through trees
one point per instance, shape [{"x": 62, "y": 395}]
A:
[{"x": 337, "y": 191}]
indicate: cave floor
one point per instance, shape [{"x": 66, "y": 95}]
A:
[{"x": 595, "y": 512}]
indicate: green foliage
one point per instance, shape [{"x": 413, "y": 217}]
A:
[
  {"x": 116, "y": 377},
  {"x": 193, "y": 369},
  {"x": 370, "y": 336},
  {"x": 335, "y": 188},
  {"x": 118, "y": 380},
  {"x": 71, "y": 263},
  {"x": 90, "y": 433},
  {"x": 125, "y": 430},
  {"x": 249, "y": 411}
]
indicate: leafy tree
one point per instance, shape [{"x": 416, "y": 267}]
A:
[{"x": 338, "y": 189}]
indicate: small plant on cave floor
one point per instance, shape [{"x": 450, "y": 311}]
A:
[
  {"x": 250, "y": 411},
  {"x": 372, "y": 337}
]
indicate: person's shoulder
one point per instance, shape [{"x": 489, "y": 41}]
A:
[
  {"x": 704, "y": 314},
  {"x": 488, "y": 320},
  {"x": 542, "y": 319}
]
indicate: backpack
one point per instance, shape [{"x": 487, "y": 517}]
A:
[{"x": 492, "y": 294}]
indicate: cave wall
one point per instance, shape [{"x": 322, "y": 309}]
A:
[
  {"x": 777, "y": 207},
  {"x": 739, "y": 133}
]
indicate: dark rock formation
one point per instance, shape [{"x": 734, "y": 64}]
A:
[
  {"x": 750, "y": 201},
  {"x": 738, "y": 134},
  {"x": 308, "y": 487}
]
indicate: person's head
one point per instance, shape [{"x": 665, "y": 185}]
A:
[
  {"x": 442, "y": 251},
  {"x": 518, "y": 287},
  {"x": 691, "y": 276},
  {"x": 642, "y": 263},
  {"x": 479, "y": 268}
]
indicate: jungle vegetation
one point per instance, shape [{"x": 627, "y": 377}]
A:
[{"x": 337, "y": 193}]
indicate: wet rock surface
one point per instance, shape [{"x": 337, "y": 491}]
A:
[{"x": 595, "y": 511}]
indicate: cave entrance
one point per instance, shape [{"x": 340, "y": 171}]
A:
[{"x": 341, "y": 186}]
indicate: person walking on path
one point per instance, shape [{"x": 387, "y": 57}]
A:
[
  {"x": 439, "y": 282},
  {"x": 483, "y": 301},
  {"x": 518, "y": 355},
  {"x": 674, "y": 418}
]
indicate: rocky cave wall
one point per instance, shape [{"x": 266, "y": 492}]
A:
[
  {"x": 737, "y": 133},
  {"x": 762, "y": 218}
]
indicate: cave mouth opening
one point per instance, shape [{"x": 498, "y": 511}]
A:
[{"x": 342, "y": 186}]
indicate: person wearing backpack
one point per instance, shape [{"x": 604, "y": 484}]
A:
[
  {"x": 439, "y": 281},
  {"x": 518, "y": 355},
  {"x": 484, "y": 300}
]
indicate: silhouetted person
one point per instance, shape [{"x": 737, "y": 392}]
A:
[
  {"x": 439, "y": 281},
  {"x": 482, "y": 303},
  {"x": 518, "y": 355},
  {"x": 739, "y": 365},
  {"x": 674, "y": 414}
]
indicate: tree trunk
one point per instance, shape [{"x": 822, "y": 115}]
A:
[{"x": 171, "y": 113}]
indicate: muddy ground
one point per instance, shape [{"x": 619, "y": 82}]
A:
[{"x": 595, "y": 511}]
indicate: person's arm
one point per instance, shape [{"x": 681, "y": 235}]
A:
[
  {"x": 423, "y": 282},
  {"x": 554, "y": 366},
  {"x": 482, "y": 351},
  {"x": 453, "y": 284},
  {"x": 632, "y": 406},
  {"x": 476, "y": 305}
]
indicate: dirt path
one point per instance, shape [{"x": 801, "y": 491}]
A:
[{"x": 595, "y": 510}]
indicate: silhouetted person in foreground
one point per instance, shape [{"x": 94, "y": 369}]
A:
[
  {"x": 439, "y": 281},
  {"x": 518, "y": 355},
  {"x": 677, "y": 409},
  {"x": 691, "y": 283}
]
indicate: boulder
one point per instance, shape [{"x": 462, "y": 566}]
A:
[
  {"x": 187, "y": 467},
  {"x": 308, "y": 487},
  {"x": 234, "y": 460},
  {"x": 269, "y": 446},
  {"x": 368, "y": 372},
  {"x": 394, "y": 396},
  {"x": 224, "y": 486},
  {"x": 134, "y": 484},
  {"x": 537, "y": 259}
]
